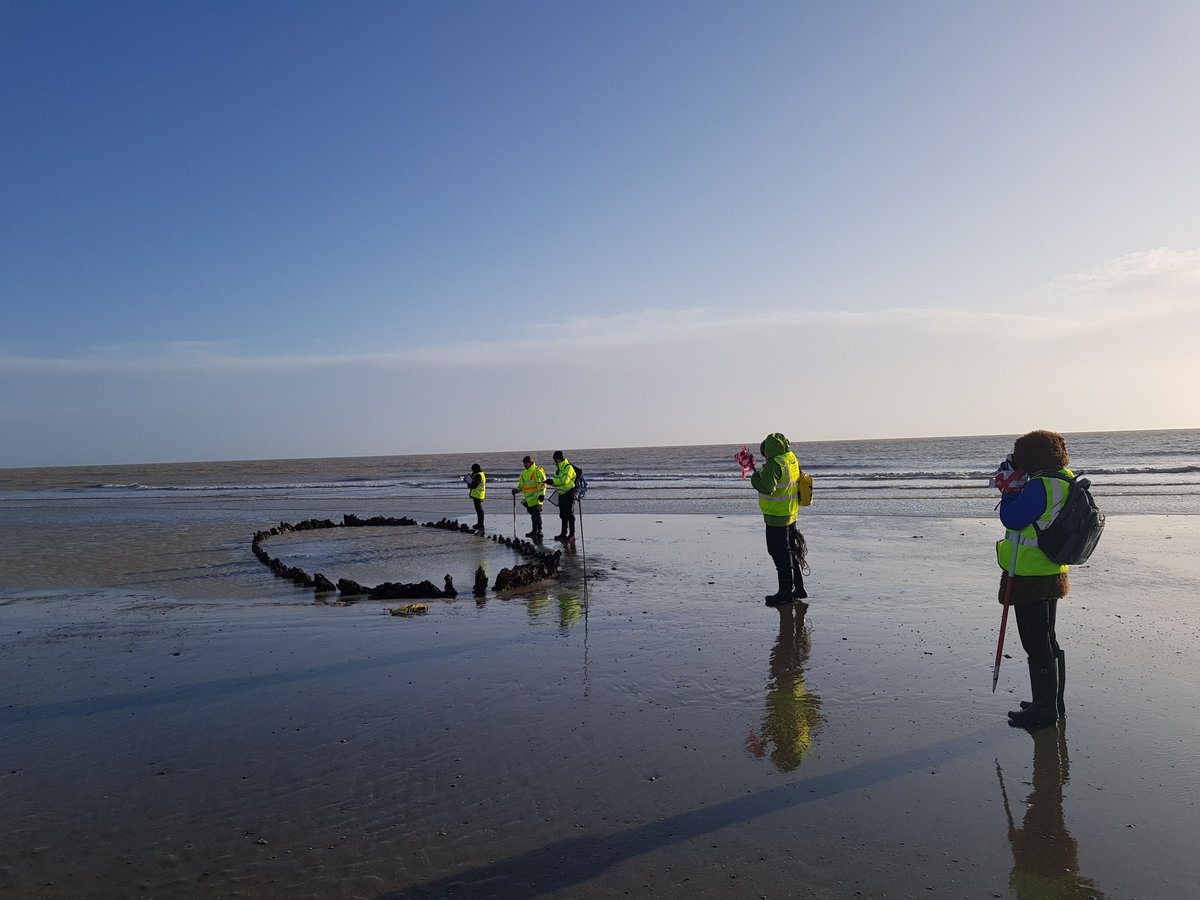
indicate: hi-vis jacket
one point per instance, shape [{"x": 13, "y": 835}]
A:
[
  {"x": 1030, "y": 560},
  {"x": 479, "y": 486},
  {"x": 564, "y": 476},
  {"x": 784, "y": 501},
  {"x": 778, "y": 482},
  {"x": 532, "y": 485}
]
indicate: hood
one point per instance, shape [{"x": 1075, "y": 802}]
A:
[{"x": 774, "y": 445}]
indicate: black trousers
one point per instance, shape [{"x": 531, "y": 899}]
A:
[
  {"x": 478, "y": 512},
  {"x": 566, "y": 513},
  {"x": 1035, "y": 622},
  {"x": 535, "y": 513},
  {"x": 780, "y": 539}
]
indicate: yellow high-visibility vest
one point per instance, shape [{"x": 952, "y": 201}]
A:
[
  {"x": 564, "y": 476},
  {"x": 784, "y": 501},
  {"x": 480, "y": 491},
  {"x": 1030, "y": 559},
  {"x": 532, "y": 485}
]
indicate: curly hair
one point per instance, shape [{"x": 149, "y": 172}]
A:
[{"x": 1040, "y": 451}]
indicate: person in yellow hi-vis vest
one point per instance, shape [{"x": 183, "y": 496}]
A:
[
  {"x": 782, "y": 489},
  {"x": 1037, "y": 582},
  {"x": 564, "y": 483},
  {"x": 477, "y": 486},
  {"x": 532, "y": 488}
]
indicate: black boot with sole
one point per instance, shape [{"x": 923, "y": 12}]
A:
[
  {"x": 784, "y": 595},
  {"x": 1043, "y": 711},
  {"x": 1062, "y": 683}
]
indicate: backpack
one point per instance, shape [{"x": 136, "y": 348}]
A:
[
  {"x": 580, "y": 483},
  {"x": 1070, "y": 539},
  {"x": 805, "y": 488}
]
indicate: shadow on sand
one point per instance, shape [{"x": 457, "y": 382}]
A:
[{"x": 576, "y": 860}]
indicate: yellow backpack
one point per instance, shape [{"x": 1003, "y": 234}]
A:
[{"x": 805, "y": 487}]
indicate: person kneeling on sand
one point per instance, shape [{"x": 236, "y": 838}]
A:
[
  {"x": 1037, "y": 582},
  {"x": 778, "y": 486}
]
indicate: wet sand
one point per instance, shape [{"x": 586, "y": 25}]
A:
[{"x": 678, "y": 739}]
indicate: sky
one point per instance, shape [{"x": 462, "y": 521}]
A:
[{"x": 240, "y": 230}]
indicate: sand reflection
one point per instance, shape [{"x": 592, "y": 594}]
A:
[
  {"x": 792, "y": 715},
  {"x": 1045, "y": 856}
]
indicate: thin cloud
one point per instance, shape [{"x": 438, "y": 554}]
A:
[{"x": 1136, "y": 287}]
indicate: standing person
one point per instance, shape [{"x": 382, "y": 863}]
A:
[
  {"x": 778, "y": 484},
  {"x": 564, "y": 483},
  {"x": 1037, "y": 582},
  {"x": 477, "y": 485},
  {"x": 532, "y": 488}
]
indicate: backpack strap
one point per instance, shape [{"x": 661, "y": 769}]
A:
[
  {"x": 1058, "y": 505},
  {"x": 1054, "y": 473}
]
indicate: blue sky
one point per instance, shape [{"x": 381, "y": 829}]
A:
[{"x": 276, "y": 229}]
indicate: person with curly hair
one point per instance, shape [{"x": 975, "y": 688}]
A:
[{"x": 1027, "y": 505}]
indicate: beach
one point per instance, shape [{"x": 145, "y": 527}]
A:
[
  {"x": 203, "y": 729},
  {"x": 296, "y": 291}
]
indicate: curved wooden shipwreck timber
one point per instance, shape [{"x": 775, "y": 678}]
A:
[{"x": 543, "y": 565}]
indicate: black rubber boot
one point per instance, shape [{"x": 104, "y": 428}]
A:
[
  {"x": 784, "y": 594},
  {"x": 1062, "y": 683},
  {"x": 798, "y": 591},
  {"x": 1025, "y": 704},
  {"x": 1043, "y": 711}
]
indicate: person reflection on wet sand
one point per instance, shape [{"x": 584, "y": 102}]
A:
[
  {"x": 793, "y": 714},
  {"x": 567, "y": 607},
  {"x": 570, "y": 610},
  {"x": 1045, "y": 856}
]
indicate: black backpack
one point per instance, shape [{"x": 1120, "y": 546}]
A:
[
  {"x": 581, "y": 484},
  {"x": 1070, "y": 539}
]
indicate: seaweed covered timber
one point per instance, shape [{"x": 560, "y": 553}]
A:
[{"x": 543, "y": 565}]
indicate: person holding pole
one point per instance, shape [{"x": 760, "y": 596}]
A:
[
  {"x": 1030, "y": 581},
  {"x": 531, "y": 486},
  {"x": 782, "y": 489},
  {"x": 564, "y": 483},
  {"x": 477, "y": 486}
]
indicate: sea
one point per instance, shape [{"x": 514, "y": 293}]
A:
[
  {"x": 177, "y": 526},
  {"x": 1148, "y": 472}
]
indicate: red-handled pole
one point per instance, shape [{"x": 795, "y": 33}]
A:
[{"x": 1008, "y": 583}]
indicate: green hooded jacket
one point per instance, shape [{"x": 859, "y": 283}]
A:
[{"x": 771, "y": 473}]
